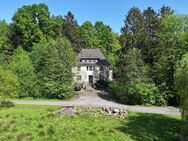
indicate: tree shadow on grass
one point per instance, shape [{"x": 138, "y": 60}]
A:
[{"x": 152, "y": 127}]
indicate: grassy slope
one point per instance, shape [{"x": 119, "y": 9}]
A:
[{"x": 32, "y": 122}]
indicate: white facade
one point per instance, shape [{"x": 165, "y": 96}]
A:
[
  {"x": 91, "y": 73},
  {"x": 93, "y": 66}
]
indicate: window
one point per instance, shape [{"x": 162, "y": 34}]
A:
[
  {"x": 79, "y": 77},
  {"x": 90, "y": 68},
  {"x": 78, "y": 68},
  {"x": 101, "y": 68}
]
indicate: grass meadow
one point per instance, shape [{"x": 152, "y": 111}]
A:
[{"x": 39, "y": 123}]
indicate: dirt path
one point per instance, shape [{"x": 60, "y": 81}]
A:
[{"x": 99, "y": 99}]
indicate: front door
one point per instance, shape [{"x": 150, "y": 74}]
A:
[{"x": 91, "y": 79}]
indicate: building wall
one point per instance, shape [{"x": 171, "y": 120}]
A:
[{"x": 84, "y": 73}]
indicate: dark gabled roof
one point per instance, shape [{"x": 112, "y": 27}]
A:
[{"x": 92, "y": 54}]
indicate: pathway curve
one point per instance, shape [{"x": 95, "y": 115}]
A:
[{"x": 98, "y": 99}]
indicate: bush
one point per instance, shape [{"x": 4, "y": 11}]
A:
[
  {"x": 142, "y": 93},
  {"x": 66, "y": 91},
  {"x": 6, "y": 104},
  {"x": 117, "y": 91},
  {"x": 148, "y": 94},
  {"x": 9, "y": 85},
  {"x": 101, "y": 84}
]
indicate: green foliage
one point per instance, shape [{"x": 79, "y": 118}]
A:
[
  {"x": 131, "y": 72},
  {"x": 142, "y": 93},
  {"x": 148, "y": 94},
  {"x": 117, "y": 90},
  {"x": 55, "y": 70},
  {"x": 133, "y": 85},
  {"x": 151, "y": 27},
  {"x": 181, "y": 77},
  {"x": 89, "y": 35},
  {"x": 162, "y": 39},
  {"x": 133, "y": 29},
  {"x": 169, "y": 50},
  {"x": 131, "y": 67},
  {"x": 104, "y": 37},
  {"x": 36, "y": 55},
  {"x": 9, "y": 86},
  {"x": 30, "y": 25},
  {"x": 5, "y": 46},
  {"x": 101, "y": 36},
  {"x": 21, "y": 66},
  {"x": 72, "y": 31}
]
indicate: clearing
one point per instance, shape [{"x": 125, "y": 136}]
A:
[{"x": 37, "y": 122}]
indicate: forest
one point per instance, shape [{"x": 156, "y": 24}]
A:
[{"x": 149, "y": 57}]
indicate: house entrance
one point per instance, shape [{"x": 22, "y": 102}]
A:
[{"x": 90, "y": 79}]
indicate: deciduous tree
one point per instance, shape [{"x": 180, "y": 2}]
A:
[{"x": 30, "y": 25}]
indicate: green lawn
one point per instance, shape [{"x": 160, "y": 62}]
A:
[
  {"x": 37, "y": 123},
  {"x": 31, "y": 98}
]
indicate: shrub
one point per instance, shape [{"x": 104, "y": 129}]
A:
[
  {"x": 142, "y": 93},
  {"x": 66, "y": 91},
  {"x": 117, "y": 91},
  {"x": 9, "y": 85},
  {"x": 148, "y": 94},
  {"x": 101, "y": 84},
  {"x": 6, "y": 104}
]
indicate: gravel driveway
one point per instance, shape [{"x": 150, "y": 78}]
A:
[{"x": 99, "y": 99}]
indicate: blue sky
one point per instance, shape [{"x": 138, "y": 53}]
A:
[{"x": 111, "y": 12}]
